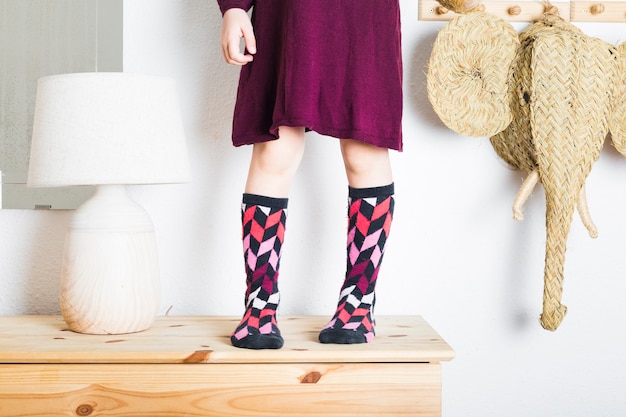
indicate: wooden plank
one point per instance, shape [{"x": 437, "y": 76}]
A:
[
  {"x": 212, "y": 390},
  {"x": 203, "y": 339},
  {"x": 595, "y": 11},
  {"x": 520, "y": 11}
]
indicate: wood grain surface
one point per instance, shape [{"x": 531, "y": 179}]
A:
[
  {"x": 183, "y": 339},
  {"x": 185, "y": 366}
]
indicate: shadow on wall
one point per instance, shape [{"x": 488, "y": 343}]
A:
[
  {"x": 515, "y": 274},
  {"x": 36, "y": 255},
  {"x": 415, "y": 79},
  {"x": 208, "y": 88}
]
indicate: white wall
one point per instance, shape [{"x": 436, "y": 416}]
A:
[{"x": 455, "y": 255}]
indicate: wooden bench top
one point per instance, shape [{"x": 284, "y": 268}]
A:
[{"x": 206, "y": 339}]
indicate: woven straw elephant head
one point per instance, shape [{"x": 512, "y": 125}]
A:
[{"x": 547, "y": 98}]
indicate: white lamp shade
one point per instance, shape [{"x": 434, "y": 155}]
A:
[{"x": 107, "y": 128}]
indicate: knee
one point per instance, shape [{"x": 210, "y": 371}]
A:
[
  {"x": 362, "y": 157},
  {"x": 365, "y": 164},
  {"x": 280, "y": 156}
]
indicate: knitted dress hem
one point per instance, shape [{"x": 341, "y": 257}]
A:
[{"x": 348, "y": 133}]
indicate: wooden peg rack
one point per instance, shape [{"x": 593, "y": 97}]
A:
[{"x": 528, "y": 11}]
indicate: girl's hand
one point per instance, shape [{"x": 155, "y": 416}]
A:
[{"x": 236, "y": 25}]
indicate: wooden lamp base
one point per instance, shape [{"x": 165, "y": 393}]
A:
[{"x": 110, "y": 279}]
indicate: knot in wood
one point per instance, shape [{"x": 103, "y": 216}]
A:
[
  {"x": 311, "y": 378},
  {"x": 84, "y": 410}
]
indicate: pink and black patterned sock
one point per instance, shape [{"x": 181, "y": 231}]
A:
[
  {"x": 369, "y": 220},
  {"x": 263, "y": 223}
]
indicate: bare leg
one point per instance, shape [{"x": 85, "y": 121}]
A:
[
  {"x": 366, "y": 165},
  {"x": 274, "y": 164}
]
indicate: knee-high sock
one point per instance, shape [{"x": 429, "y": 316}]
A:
[
  {"x": 370, "y": 215},
  {"x": 263, "y": 227}
]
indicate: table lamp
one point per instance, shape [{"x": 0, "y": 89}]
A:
[{"x": 108, "y": 130}]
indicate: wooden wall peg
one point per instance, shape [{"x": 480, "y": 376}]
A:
[
  {"x": 514, "y": 10},
  {"x": 519, "y": 11},
  {"x": 530, "y": 11},
  {"x": 594, "y": 11},
  {"x": 597, "y": 9},
  {"x": 551, "y": 9}
]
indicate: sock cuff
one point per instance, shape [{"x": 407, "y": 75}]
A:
[
  {"x": 383, "y": 191},
  {"x": 261, "y": 200}
]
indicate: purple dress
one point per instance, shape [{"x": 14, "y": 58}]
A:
[{"x": 331, "y": 66}]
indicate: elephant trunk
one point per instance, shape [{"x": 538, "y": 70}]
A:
[
  {"x": 573, "y": 83},
  {"x": 559, "y": 213}
]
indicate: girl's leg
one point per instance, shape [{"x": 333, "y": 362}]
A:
[
  {"x": 370, "y": 212},
  {"x": 264, "y": 214},
  {"x": 366, "y": 165},
  {"x": 274, "y": 163}
]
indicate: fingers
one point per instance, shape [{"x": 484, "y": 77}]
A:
[
  {"x": 249, "y": 38},
  {"x": 236, "y": 25},
  {"x": 233, "y": 55}
]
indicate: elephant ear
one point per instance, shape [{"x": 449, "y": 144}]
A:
[
  {"x": 516, "y": 145},
  {"x": 468, "y": 74},
  {"x": 617, "y": 121}
]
